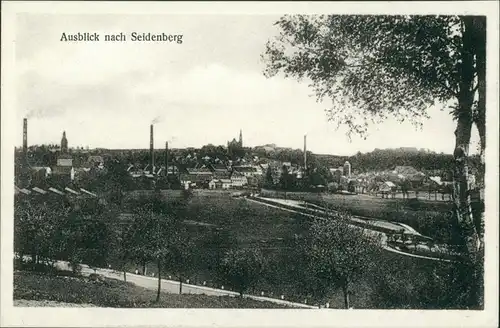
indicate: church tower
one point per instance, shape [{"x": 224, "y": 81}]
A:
[
  {"x": 64, "y": 144},
  {"x": 241, "y": 139}
]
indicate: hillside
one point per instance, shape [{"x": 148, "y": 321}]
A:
[{"x": 31, "y": 286}]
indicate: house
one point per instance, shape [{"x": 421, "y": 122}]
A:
[
  {"x": 161, "y": 171},
  {"x": 218, "y": 184},
  {"x": 212, "y": 184},
  {"x": 436, "y": 180},
  {"x": 186, "y": 178},
  {"x": 220, "y": 171},
  {"x": 200, "y": 180},
  {"x": 226, "y": 183},
  {"x": 218, "y": 167},
  {"x": 135, "y": 171},
  {"x": 222, "y": 175},
  {"x": 65, "y": 160},
  {"x": 417, "y": 179},
  {"x": 66, "y": 173},
  {"x": 200, "y": 176},
  {"x": 199, "y": 170},
  {"x": 258, "y": 169},
  {"x": 172, "y": 170},
  {"x": 248, "y": 171},
  {"x": 238, "y": 179},
  {"x": 386, "y": 187}
]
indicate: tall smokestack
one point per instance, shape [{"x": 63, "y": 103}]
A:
[
  {"x": 151, "y": 149},
  {"x": 25, "y": 136},
  {"x": 166, "y": 158},
  {"x": 305, "y": 153}
]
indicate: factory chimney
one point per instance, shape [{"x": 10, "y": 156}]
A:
[
  {"x": 25, "y": 136},
  {"x": 151, "y": 149},
  {"x": 166, "y": 158},
  {"x": 305, "y": 153}
]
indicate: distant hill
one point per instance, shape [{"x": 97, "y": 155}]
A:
[{"x": 387, "y": 159}]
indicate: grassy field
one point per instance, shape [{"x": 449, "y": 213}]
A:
[
  {"x": 249, "y": 224},
  {"x": 31, "y": 286},
  {"x": 254, "y": 225},
  {"x": 430, "y": 218}
]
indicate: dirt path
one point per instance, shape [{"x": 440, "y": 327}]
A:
[{"x": 172, "y": 287}]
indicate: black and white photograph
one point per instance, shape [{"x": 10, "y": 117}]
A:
[{"x": 313, "y": 163}]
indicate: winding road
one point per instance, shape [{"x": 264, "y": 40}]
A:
[{"x": 381, "y": 235}]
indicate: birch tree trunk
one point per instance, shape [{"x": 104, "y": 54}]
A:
[{"x": 468, "y": 236}]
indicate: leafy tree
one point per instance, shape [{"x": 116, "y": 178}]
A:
[
  {"x": 119, "y": 251},
  {"x": 86, "y": 235},
  {"x": 373, "y": 67},
  {"x": 432, "y": 285},
  {"x": 37, "y": 226},
  {"x": 269, "y": 182},
  {"x": 340, "y": 254},
  {"x": 218, "y": 243},
  {"x": 318, "y": 175},
  {"x": 157, "y": 235},
  {"x": 405, "y": 187},
  {"x": 333, "y": 187},
  {"x": 180, "y": 257},
  {"x": 242, "y": 268},
  {"x": 285, "y": 179},
  {"x": 116, "y": 180}
]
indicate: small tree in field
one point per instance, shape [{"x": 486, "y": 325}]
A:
[
  {"x": 157, "y": 235},
  {"x": 339, "y": 253},
  {"x": 269, "y": 181},
  {"x": 242, "y": 268},
  {"x": 179, "y": 256}
]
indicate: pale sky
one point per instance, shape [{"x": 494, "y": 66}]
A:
[{"x": 201, "y": 91}]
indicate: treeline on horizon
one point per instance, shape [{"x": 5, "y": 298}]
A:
[{"x": 376, "y": 160}]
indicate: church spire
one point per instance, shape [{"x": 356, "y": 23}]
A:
[
  {"x": 241, "y": 139},
  {"x": 64, "y": 143}
]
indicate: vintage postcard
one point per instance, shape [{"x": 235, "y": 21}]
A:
[{"x": 249, "y": 164}]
